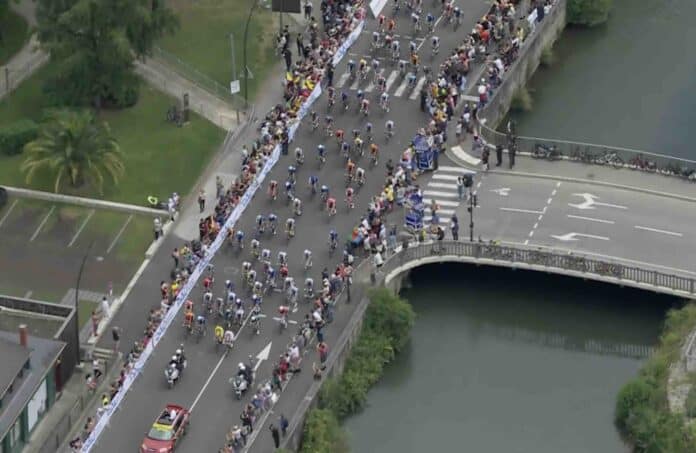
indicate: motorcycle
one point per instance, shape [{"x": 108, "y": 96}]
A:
[
  {"x": 239, "y": 385},
  {"x": 171, "y": 373}
]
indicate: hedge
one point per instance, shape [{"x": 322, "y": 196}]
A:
[
  {"x": 385, "y": 331},
  {"x": 15, "y": 135}
]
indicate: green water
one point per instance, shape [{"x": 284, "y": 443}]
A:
[{"x": 506, "y": 361}]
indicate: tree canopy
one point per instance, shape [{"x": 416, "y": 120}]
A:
[{"x": 94, "y": 43}]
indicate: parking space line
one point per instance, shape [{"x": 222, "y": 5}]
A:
[
  {"x": 120, "y": 232},
  {"x": 655, "y": 230},
  {"x": 590, "y": 219},
  {"x": 82, "y": 227},
  {"x": 526, "y": 211},
  {"x": 43, "y": 222},
  {"x": 9, "y": 211}
]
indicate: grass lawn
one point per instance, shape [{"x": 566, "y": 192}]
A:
[
  {"x": 203, "y": 40},
  {"x": 159, "y": 157},
  {"x": 14, "y": 34}
]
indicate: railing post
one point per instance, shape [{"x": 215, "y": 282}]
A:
[
  {"x": 691, "y": 286},
  {"x": 654, "y": 278}
]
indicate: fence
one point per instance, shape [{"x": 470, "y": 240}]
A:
[
  {"x": 196, "y": 77},
  {"x": 616, "y": 156},
  {"x": 544, "y": 259}
]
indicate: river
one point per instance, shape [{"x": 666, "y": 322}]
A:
[
  {"x": 485, "y": 371},
  {"x": 509, "y": 361},
  {"x": 630, "y": 82}
]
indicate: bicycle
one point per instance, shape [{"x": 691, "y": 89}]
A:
[
  {"x": 549, "y": 152},
  {"x": 609, "y": 158}
]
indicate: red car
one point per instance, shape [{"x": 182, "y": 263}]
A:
[{"x": 167, "y": 430}]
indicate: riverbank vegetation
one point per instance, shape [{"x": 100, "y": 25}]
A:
[
  {"x": 588, "y": 13},
  {"x": 386, "y": 329},
  {"x": 642, "y": 412}
]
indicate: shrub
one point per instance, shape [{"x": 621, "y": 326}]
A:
[
  {"x": 691, "y": 402},
  {"x": 15, "y": 135},
  {"x": 632, "y": 397},
  {"x": 588, "y": 12},
  {"x": 323, "y": 434}
]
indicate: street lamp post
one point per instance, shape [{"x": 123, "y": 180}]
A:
[
  {"x": 473, "y": 203},
  {"x": 77, "y": 298},
  {"x": 245, "y": 69}
]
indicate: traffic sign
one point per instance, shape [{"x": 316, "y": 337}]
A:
[{"x": 235, "y": 86}]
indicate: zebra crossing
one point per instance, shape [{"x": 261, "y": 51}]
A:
[
  {"x": 442, "y": 188},
  {"x": 401, "y": 87}
]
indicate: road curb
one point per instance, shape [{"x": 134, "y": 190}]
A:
[{"x": 675, "y": 196}]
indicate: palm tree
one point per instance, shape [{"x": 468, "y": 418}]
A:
[{"x": 72, "y": 145}]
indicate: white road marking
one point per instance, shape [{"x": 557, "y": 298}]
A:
[
  {"x": 536, "y": 225},
  {"x": 9, "y": 211},
  {"x": 591, "y": 219},
  {"x": 445, "y": 177},
  {"x": 399, "y": 91},
  {"x": 355, "y": 84},
  {"x": 526, "y": 242},
  {"x": 531, "y": 233},
  {"x": 370, "y": 86},
  {"x": 590, "y": 202},
  {"x": 390, "y": 80},
  {"x": 655, "y": 230},
  {"x": 207, "y": 382},
  {"x": 442, "y": 185},
  {"x": 441, "y": 202},
  {"x": 28, "y": 294},
  {"x": 443, "y": 211},
  {"x": 526, "y": 211},
  {"x": 558, "y": 184},
  {"x": 541, "y": 216},
  {"x": 342, "y": 80},
  {"x": 416, "y": 90},
  {"x": 290, "y": 321},
  {"x": 548, "y": 201},
  {"x": 82, "y": 227},
  {"x": 503, "y": 191},
  {"x": 435, "y": 193},
  {"x": 460, "y": 170},
  {"x": 543, "y": 211},
  {"x": 466, "y": 157},
  {"x": 572, "y": 237},
  {"x": 553, "y": 194},
  {"x": 118, "y": 235},
  {"x": 43, "y": 222}
]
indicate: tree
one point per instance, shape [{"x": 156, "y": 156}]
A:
[
  {"x": 588, "y": 12},
  {"x": 94, "y": 43},
  {"x": 73, "y": 146}
]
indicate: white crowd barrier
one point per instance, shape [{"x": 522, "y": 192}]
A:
[
  {"x": 203, "y": 264},
  {"x": 350, "y": 40}
]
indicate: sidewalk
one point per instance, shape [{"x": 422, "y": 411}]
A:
[{"x": 623, "y": 179}]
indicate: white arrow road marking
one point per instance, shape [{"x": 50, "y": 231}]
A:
[
  {"x": 591, "y": 219},
  {"x": 655, "y": 230},
  {"x": 590, "y": 202},
  {"x": 573, "y": 237},
  {"x": 263, "y": 355},
  {"x": 526, "y": 211},
  {"x": 503, "y": 191}
]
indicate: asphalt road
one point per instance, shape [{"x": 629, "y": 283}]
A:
[{"x": 204, "y": 386}]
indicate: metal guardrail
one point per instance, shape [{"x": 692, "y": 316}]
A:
[
  {"x": 196, "y": 77},
  {"x": 615, "y": 271},
  {"x": 590, "y": 153}
]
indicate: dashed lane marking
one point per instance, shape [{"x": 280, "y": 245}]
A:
[
  {"x": 525, "y": 211},
  {"x": 82, "y": 227},
  {"x": 43, "y": 222}
]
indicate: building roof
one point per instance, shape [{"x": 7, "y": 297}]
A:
[
  {"x": 14, "y": 356},
  {"x": 43, "y": 353}
]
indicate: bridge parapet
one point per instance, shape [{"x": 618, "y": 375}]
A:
[{"x": 576, "y": 264}]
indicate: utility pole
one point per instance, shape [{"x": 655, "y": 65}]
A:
[
  {"x": 246, "y": 70},
  {"x": 77, "y": 298},
  {"x": 473, "y": 203}
]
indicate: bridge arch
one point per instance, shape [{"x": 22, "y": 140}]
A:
[{"x": 517, "y": 256}]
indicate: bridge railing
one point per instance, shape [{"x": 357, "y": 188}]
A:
[
  {"x": 590, "y": 153},
  {"x": 540, "y": 259}
]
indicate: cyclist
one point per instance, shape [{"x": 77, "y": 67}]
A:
[
  {"x": 350, "y": 170},
  {"x": 368, "y": 131},
  {"x": 349, "y": 198},
  {"x": 312, "y": 183},
  {"x": 188, "y": 320},
  {"x": 255, "y": 248},
  {"x": 321, "y": 154},
  {"x": 315, "y": 120},
  {"x": 396, "y": 51},
  {"x": 374, "y": 153},
  {"x": 389, "y": 129},
  {"x": 331, "y": 206},
  {"x": 358, "y": 142},
  {"x": 328, "y": 120},
  {"x": 240, "y": 238},
  {"x": 219, "y": 333},
  {"x": 381, "y": 21},
  {"x": 375, "y": 40},
  {"x": 344, "y": 100},
  {"x": 299, "y": 156},
  {"x": 402, "y": 68},
  {"x": 282, "y": 258},
  {"x": 375, "y": 67},
  {"x": 260, "y": 224},
  {"x": 290, "y": 227},
  {"x": 339, "y": 136},
  {"x": 412, "y": 46},
  {"x": 363, "y": 68},
  {"x": 430, "y": 19},
  {"x": 435, "y": 41},
  {"x": 381, "y": 82},
  {"x": 297, "y": 206},
  {"x": 309, "y": 288},
  {"x": 291, "y": 173},
  {"x": 415, "y": 60},
  {"x": 415, "y": 18},
  {"x": 360, "y": 176},
  {"x": 288, "y": 190},
  {"x": 345, "y": 149},
  {"x": 272, "y": 223},
  {"x": 391, "y": 24},
  {"x": 324, "y": 192},
  {"x": 200, "y": 324},
  {"x": 351, "y": 68},
  {"x": 457, "y": 16},
  {"x": 307, "y": 259},
  {"x": 384, "y": 101},
  {"x": 412, "y": 78},
  {"x": 266, "y": 257},
  {"x": 273, "y": 189},
  {"x": 283, "y": 316},
  {"x": 333, "y": 240},
  {"x": 332, "y": 97},
  {"x": 365, "y": 107}
]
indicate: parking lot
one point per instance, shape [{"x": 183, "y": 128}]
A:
[{"x": 42, "y": 246}]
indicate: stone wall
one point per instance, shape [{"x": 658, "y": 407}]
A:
[{"x": 544, "y": 35}]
